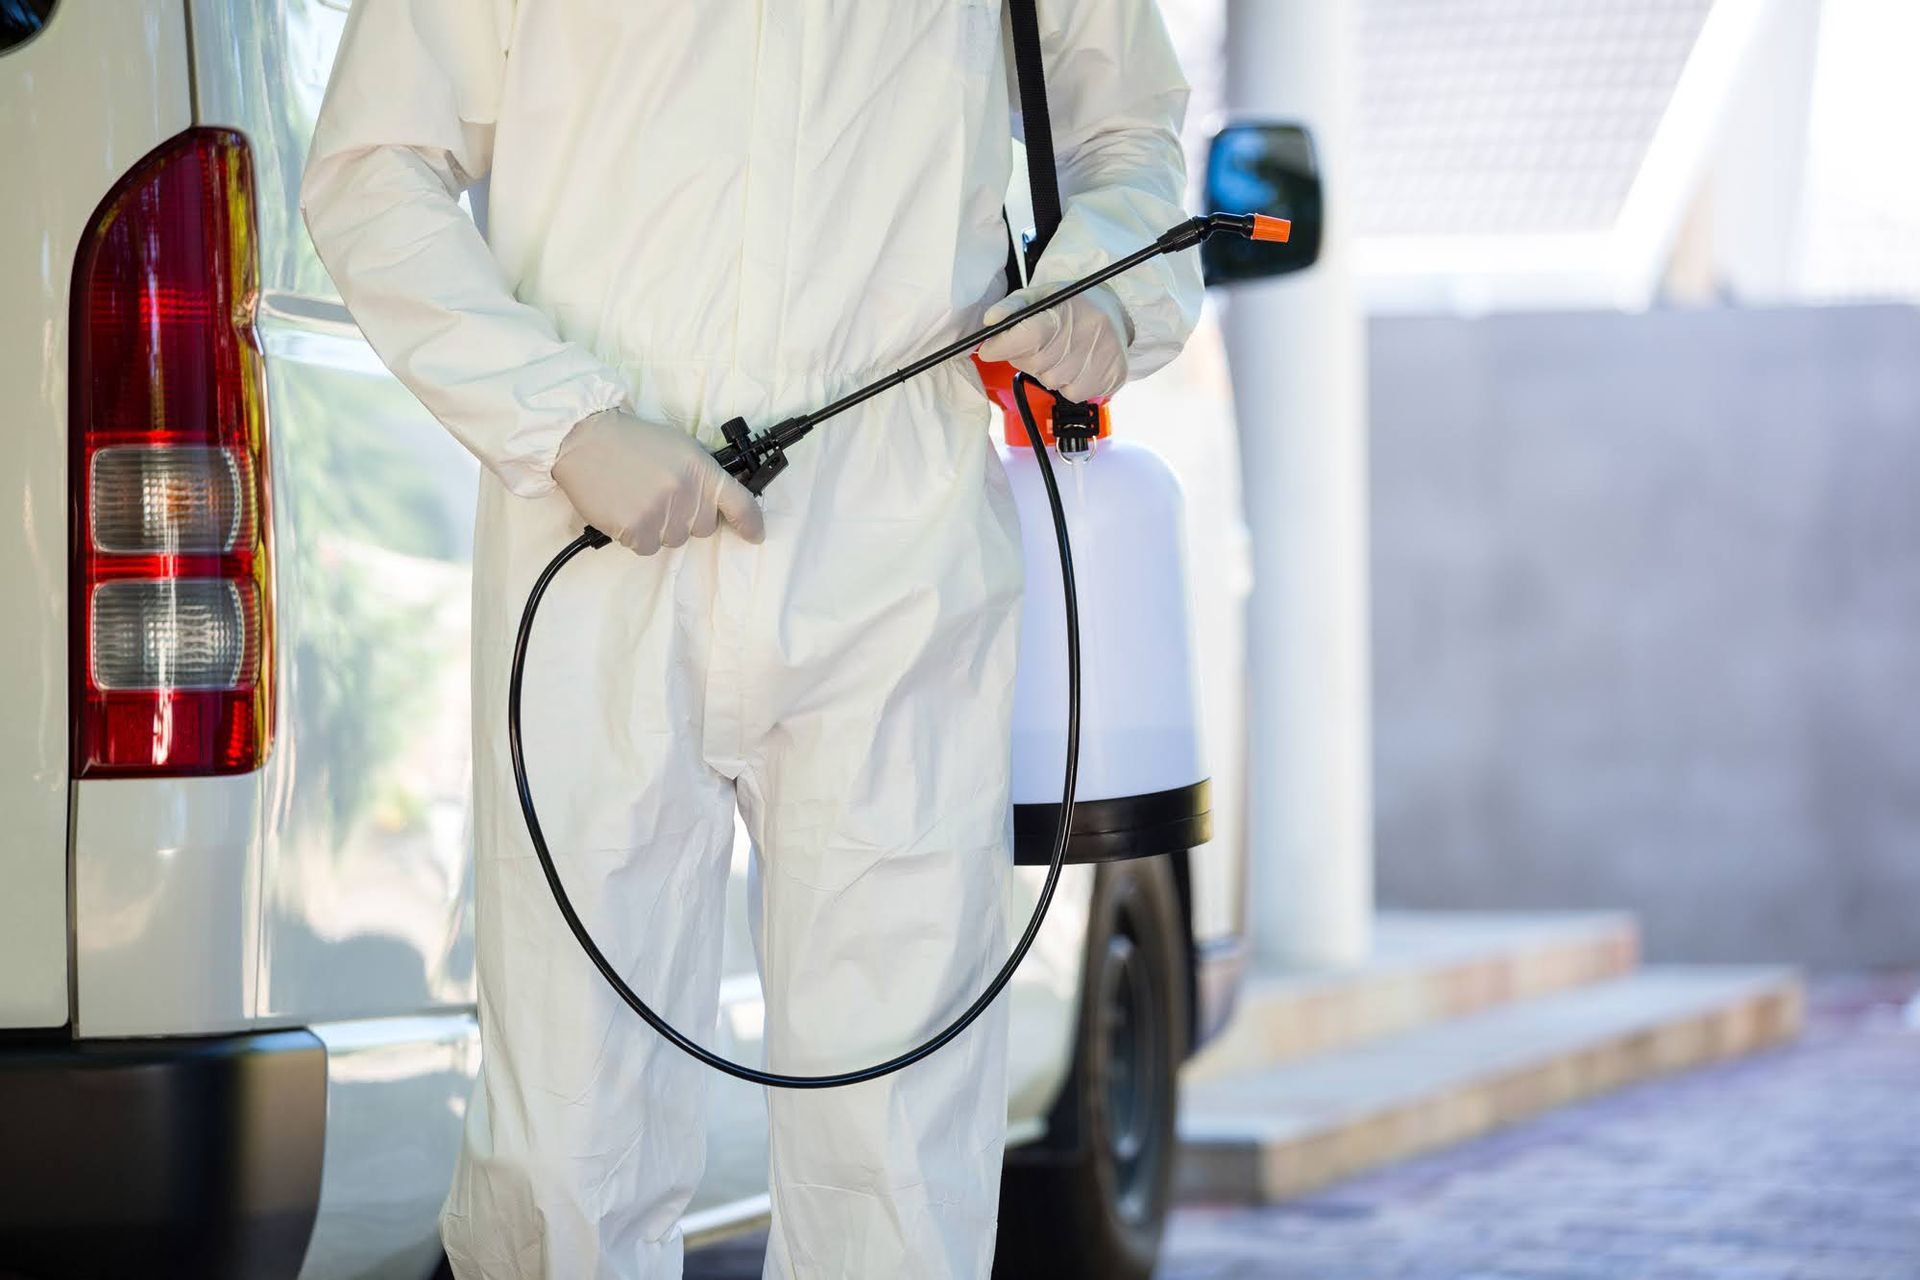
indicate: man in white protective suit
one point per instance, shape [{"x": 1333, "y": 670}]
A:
[{"x": 699, "y": 209}]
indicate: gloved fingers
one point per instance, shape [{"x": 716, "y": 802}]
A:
[
  {"x": 676, "y": 519},
  {"x": 1012, "y": 346},
  {"x": 706, "y": 516},
  {"x": 1020, "y": 344},
  {"x": 1091, "y": 374},
  {"x": 1077, "y": 385},
  {"x": 1097, "y": 383},
  {"x": 642, "y": 537},
  {"x": 740, "y": 508},
  {"x": 1098, "y": 366},
  {"x": 1008, "y": 305},
  {"x": 1051, "y": 364},
  {"x": 1088, "y": 385},
  {"x": 1077, "y": 351}
]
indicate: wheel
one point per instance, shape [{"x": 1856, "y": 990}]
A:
[{"x": 1091, "y": 1201}]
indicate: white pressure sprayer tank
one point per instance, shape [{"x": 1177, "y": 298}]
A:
[{"x": 1143, "y": 779}]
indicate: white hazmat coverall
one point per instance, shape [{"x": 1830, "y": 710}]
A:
[{"x": 697, "y": 210}]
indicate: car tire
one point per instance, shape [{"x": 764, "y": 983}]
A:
[{"x": 1091, "y": 1200}]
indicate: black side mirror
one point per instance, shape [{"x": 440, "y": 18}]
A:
[
  {"x": 21, "y": 20},
  {"x": 1270, "y": 169}
]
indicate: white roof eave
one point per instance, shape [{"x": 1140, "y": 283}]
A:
[{"x": 1620, "y": 267}]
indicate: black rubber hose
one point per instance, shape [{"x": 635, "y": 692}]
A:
[{"x": 592, "y": 539}]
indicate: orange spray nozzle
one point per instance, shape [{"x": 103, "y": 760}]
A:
[{"x": 1272, "y": 230}]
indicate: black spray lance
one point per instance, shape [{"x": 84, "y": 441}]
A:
[{"x": 754, "y": 460}]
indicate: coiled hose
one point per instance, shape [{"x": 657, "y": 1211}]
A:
[{"x": 592, "y": 539}]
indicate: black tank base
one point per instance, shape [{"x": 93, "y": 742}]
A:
[{"x": 1144, "y": 826}]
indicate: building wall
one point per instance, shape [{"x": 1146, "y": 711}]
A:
[{"x": 1646, "y": 592}]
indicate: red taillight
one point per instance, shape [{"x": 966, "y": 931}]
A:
[{"x": 172, "y": 584}]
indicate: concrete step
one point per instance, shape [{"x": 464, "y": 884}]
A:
[
  {"x": 1425, "y": 968},
  {"x": 1270, "y": 1134}
]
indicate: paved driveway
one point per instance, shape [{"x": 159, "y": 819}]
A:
[{"x": 1803, "y": 1164}]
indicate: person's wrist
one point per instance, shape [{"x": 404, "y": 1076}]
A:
[{"x": 585, "y": 429}]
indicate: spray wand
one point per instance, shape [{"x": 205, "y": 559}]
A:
[{"x": 754, "y": 460}]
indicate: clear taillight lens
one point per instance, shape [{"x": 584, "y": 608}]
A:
[
  {"x": 172, "y": 579},
  {"x": 173, "y": 500},
  {"x": 175, "y": 633}
]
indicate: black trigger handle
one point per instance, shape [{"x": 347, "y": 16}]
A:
[{"x": 752, "y": 460}]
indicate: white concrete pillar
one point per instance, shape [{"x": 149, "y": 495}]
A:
[
  {"x": 1297, "y": 348},
  {"x": 1759, "y": 175}
]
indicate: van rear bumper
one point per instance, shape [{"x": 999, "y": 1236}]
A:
[{"x": 161, "y": 1157}]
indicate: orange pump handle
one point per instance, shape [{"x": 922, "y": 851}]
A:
[{"x": 997, "y": 377}]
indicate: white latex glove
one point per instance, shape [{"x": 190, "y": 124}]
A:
[
  {"x": 1078, "y": 349},
  {"x": 647, "y": 486}
]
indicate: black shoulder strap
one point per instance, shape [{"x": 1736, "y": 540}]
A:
[{"x": 1042, "y": 174}]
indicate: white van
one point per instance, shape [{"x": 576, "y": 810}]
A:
[{"x": 236, "y": 968}]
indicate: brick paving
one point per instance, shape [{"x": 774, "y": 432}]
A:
[{"x": 1800, "y": 1164}]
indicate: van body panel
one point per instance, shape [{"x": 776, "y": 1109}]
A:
[
  {"x": 166, "y": 885},
  {"x": 105, "y": 83}
]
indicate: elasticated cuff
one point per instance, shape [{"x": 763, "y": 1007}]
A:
[
  {"x": 526, "y": 468},
  {"x": 1161, "y": 298}
]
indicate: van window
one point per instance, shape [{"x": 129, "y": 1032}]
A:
[{"x": 21, "y": 20}]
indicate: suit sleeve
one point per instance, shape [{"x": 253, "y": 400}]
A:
[
  {"x": 405, "y": 128},
  {"x": 1118, "y": 98}
]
